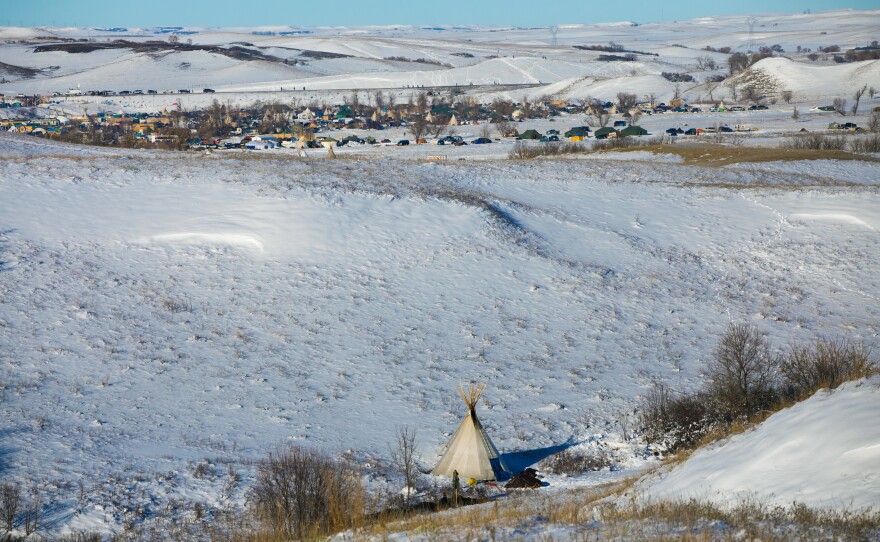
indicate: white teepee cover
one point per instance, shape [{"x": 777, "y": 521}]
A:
[{"x": 470, "y": 451}]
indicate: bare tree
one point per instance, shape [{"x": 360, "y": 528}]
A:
[
  {"x": 625, "y": 101},
  {"x": 857, "y": 97},
  {"x": 874, "y": 122},
  {"x": 418, "y": 128},
  {"x": 787, "y": 95},
  {"x": 502, "y": 126},
  {"x": 10, "y": 501},
  {"x": 871, "y": 92},
  {"x": 485, "y": 132},
  {"x": 840, "y": 105},
  {"x": 404, "y": 456},
  {"x": 740, "y": 374},
  {"x": 33, "y": 511},
  {"x": 733, "y": 88},
  {"x": 794, "y": 114},
  {"x": 173, "y": 39},
  {"x": 706, "y": 63},
  {"x": 596, "y": 114},
  {"x": 526, "y": 107},
  {"x": 379, "y": 99},
  {"x": 436, "y": 129},
  {"x": 636, "y": 116}
]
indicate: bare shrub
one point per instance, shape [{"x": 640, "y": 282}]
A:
[
  {"x": 33, "y": 511},
  {"x": 865, "y": 144},
  {"x": 10, "y": 501},
  {"x": 302, "y": 494},
  {"x": 524, "y": 151},
  {"x": 817, "y": 142},
  {"x": 825, "y": 363},
  {"x": 787, "y": 95},
  {"x": 404, "y": 456},
  {"x": 840, "y": 105},
  {"x": 741, "y": 372},
  {"x": 574, "y": 462},
  {"x": 179, "y": 305},
  {"x": 674, "y": 421}
]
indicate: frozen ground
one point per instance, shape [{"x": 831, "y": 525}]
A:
[{"x": 163, "y": 310}]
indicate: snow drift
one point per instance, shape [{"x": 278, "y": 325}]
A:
[{"x": 823, "y": 452}]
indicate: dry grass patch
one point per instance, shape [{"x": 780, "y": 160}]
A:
[{"x": 718, "y": 155}]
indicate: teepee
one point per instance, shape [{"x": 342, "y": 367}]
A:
[{"x": 470, "y": 451}]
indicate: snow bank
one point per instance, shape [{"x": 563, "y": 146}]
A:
[{"x": 823, "y": 452}]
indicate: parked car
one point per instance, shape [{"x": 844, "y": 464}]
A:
[
  {"x": 484, "y": 140},
  {"x": 459, "y": 143},
  {"x": 690, "y": 131},
  {"x": 183, "y": 91},
  {"x": 763, "y": 108},
  {"x": 208, "y": 90},
  {"x": 725, "y": 129},
  {"x": 152, "y": 92},
  {"x": 403, "y": 143},
  {"x": 737, "y": 108}
]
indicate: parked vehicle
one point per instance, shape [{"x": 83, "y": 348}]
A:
[
  {"x": 403, "y": 143},
  {"x": 152, "y": 92},
  {"x": 484, "y": 140},
  {"x": 208, "y": 90}
]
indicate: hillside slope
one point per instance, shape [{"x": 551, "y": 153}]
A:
[{"x": 823, "y": 452}]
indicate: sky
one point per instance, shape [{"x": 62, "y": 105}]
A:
[{"x": 524, "y": 13}]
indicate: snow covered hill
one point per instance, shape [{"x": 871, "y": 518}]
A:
[
  {"x": 327, "y": 60},
  {"x": 162, "y": 310},
  {"x": 823, "y": 453}
]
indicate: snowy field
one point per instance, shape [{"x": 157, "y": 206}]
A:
[
  {"x": 164, "y": 310},
  {"x": 325, "y": 64},
  {"x": 168, "y": 318}
]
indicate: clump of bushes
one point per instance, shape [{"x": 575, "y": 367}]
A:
[
  {"x": 818, "y": 142},
  {"x": 747, "y": 381},
  {"x": 303, "y": 494},
  {"x": 677, "y": 77},
  {"x": 866, "y": 144},
  {"x": 574, "y": 462},
  {"x": 822, "y": 142}
]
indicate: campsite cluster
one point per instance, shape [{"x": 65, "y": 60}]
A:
[{"x": 427, "y": 117}]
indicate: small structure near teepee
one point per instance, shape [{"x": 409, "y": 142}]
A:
[
  {"x": 331, "y": 154},
  {"x": 470, "y": 450}
]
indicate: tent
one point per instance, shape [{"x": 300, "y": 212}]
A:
[
  {"x": 470, "y": 451},
  {"x": 605, "y": 133},
  {"x": 529, "y": 134},
  {"x": 633, "y": 131}
]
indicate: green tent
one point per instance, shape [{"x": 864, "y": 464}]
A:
[
  {"x": 579, "y": 131},
  {"x": 529, "y": 134},
  {"x": 633, "y": 131},
  {"x": 604, "y": 133}
]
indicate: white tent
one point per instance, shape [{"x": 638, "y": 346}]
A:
[{"x": 470, "y": 451}]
